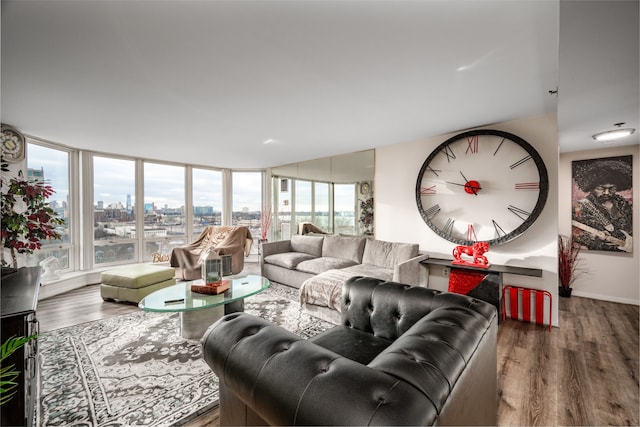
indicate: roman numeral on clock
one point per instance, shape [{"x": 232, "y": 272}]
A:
[
  {"x": 472, "y": 144},
  {"x": 499, "y": 145},
  {"x": 434, "y": 171},
  {"x": 428, "y": 191},
  {"x": 432, "y": 211},
  {"x": 519, "y": 162},
  {"x": 448, "y": 227},
  {"x": 447, "y": 151},
  {"x": 527, "y": 185},
  {"x": 520, "y": 213},
  {"x": 499, "y": 231}
]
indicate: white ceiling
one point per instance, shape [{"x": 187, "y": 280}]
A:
[{"x": 207, "y": 82}]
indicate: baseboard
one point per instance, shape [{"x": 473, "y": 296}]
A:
[
  {"x": 605, "y": 297},
  {"x": 68, "y": 282}
]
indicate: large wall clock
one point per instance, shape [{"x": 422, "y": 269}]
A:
[
  {"x": 482, "y": 185},
  {"x": 12, "y": 144}
]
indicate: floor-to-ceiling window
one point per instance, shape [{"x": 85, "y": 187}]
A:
[
  {"x": 52, "y": 166},
  {"x": 207, "y": 199},
  {"x": 164, "y": 206},
  {"x": 247, "y": 202},
  {"x": 135, "y": 209},
  {"x": 114, "y": 213}
]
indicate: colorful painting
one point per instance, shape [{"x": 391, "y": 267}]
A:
[{"x": 602, "y": 199}]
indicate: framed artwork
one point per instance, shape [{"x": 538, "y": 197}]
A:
[
  {"x": 602, "y": 199},
  {"x": 284, "y": 185}
]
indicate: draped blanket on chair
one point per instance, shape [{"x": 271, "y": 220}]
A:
[{"x": 227, "y": 240}]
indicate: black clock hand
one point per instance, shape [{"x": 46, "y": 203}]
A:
[
  {"x": 469, "y": 185},
  {"x": 463, "y": 185}
]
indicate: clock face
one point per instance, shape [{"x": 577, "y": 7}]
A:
[
  {"x": 12, "y": 144},
  {"x": 482, "y": 185}
]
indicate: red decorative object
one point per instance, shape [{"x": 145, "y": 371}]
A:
[
  {"x": 471, "y": 233},
  {"x": 464, "y": 281},
  {"x": 472, "y": 187},
  {"x": 476, "y": 251},
  {"x": 510, "y": 294},
  {"x": 211, "y": 288}
]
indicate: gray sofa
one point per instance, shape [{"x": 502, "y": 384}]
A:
[
  {"x": 319, "y": 264},
  {"x": 401, "y": 356}
]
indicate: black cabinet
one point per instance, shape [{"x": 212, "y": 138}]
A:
[{"x": 19, "y": 295}]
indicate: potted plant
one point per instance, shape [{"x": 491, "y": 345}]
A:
[
  {"x": 266, "y": 217},
  {"x": 366, "y": 216},
  {"x": 8, "y": 374},
  {"x": 568, "y": 251},
  {"x": 27, "y": 218}
]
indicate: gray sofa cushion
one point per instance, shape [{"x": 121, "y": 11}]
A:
[
  {"x": 350, "y": 248},
  {"x": 287, "y": 259},
  {"x": 322, "y": 264},
  {"x": 370, "y": 270},
  {"x": 308, "y": 244},
  {"x": 387, "y": 254}
]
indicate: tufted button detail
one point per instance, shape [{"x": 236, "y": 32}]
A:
[{"x": 252, "y": 330}]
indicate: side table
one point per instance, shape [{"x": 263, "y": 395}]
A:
[{"x": 482, "y": 283}]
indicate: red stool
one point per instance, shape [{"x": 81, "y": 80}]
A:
[{"x": 518, "y": 295}]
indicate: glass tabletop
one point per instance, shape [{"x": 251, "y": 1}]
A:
[{"x": 180, "y": 298}]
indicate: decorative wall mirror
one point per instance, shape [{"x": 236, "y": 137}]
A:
[{"x": 334, "y": 194}]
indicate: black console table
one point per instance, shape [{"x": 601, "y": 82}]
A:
[
  {"x": 489, "y": 285},
  {"x": 19, "y": 300},
  {"x": 495, "y": 268}
]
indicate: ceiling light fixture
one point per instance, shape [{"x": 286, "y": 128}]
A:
[{"x": 611, "y": 135}]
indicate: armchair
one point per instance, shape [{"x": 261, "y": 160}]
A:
[
  {"x": 402, "y": 356},
  {"x": 234, "y": 241}
]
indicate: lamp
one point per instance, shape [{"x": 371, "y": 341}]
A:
[
  {"x": 614, "y": 134},
  {"x": 212, "y": 268}
]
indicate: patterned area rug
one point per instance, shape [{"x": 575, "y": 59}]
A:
[{"x": 137, "y": 370}]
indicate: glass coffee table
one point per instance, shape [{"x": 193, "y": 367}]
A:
[{"x": 199, "y": 311}]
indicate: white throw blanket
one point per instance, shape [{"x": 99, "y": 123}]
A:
[{"x": 325, "y": 289}]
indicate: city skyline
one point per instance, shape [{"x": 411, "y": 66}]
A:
[{"x": 116, "y": 184}]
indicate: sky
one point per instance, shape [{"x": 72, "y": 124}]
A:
[{"x": 164, "y": 184}]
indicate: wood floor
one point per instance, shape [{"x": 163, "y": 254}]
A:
[{"x": 584, "y": 373}]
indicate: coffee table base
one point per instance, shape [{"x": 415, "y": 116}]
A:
[{"x": 194, "y": 323}]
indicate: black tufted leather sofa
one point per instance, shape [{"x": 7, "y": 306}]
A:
[{"x": 402, "y": 356}]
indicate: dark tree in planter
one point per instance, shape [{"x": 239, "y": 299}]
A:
[
  {"x": 568, "y": 251},
  {"x": 27, "y": 218}
]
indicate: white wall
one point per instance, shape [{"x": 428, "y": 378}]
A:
[
  {"x": 397, "y": 218},
  {"x": 611, "y": 276}
]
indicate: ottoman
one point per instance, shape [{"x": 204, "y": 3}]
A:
[{"x": 134, "y": 282}]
